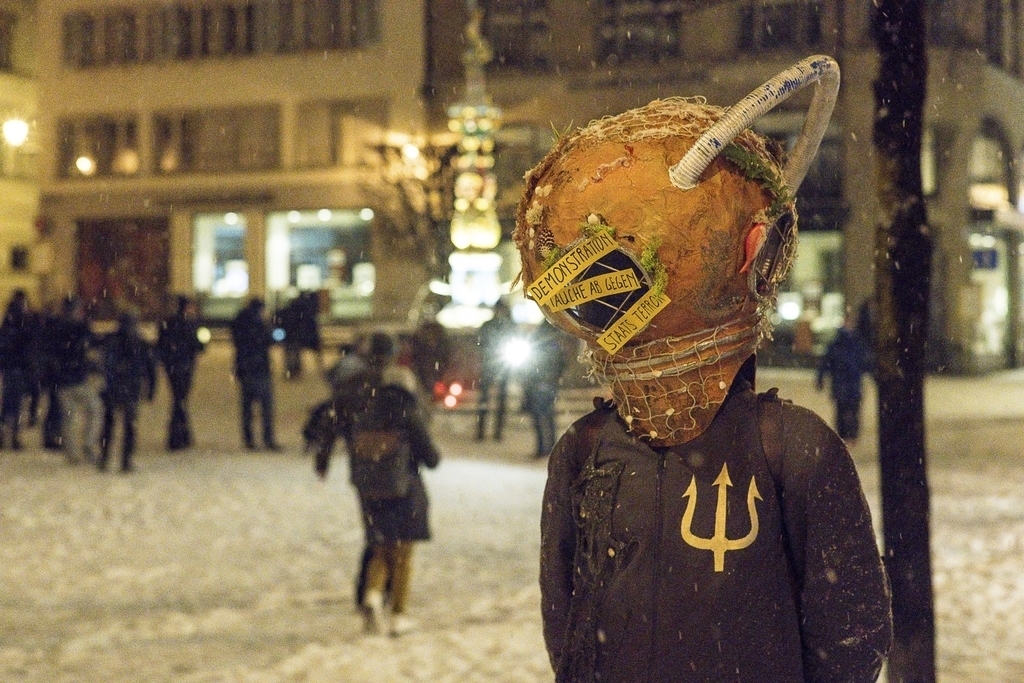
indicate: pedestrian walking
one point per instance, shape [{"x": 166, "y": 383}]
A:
[
  {"x": 19, "y": 337},
  {"x": 129, "y": 368},
  {"x": 177, "y": 348},
  {"x": 845, "y": 362},
  {"x": 78, "y": 379},
  {"x": 494, "y": 370},
  {"x": 252, "y": 338},
  {"x": 540, "y": 380},
  {"x": 382, "y": 425}
]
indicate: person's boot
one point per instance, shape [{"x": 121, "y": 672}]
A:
[{"x": 373, "y": 602}]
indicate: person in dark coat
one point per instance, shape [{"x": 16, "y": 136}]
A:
[
  {"x": 299, "y": 320},
  {"x": 53, "y": 421},
  {"x": 494, "y": 370},
  {"x": 692, "y": 529},
  {"x": 178, "y": 345},
  {"x": 430, "y": 355},
  {"x": 392, "y": 525},
  {"x": 540, "y": 380},
  {"x": 253, "y": 338},
  {"x": 628, "y": 541},
  {"x": 129, "y": 368},
  {"x": 845, "y": 362},
  {"x": 18, "y": 343},
  {"x": 78, "y": 377}
]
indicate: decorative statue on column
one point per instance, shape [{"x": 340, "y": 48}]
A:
[{"x": 692, "y": 529}]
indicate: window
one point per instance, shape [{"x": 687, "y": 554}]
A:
[
  {"x": 518, "y": 32},
  {"x": 8, "y": 22},
  {"x": 220, "y": 273},
  {"x": 79, "y": 39},
  {"x": 96, "y": 147},
  {"x": 989, "y": 170},
  {"x": 780, "y": 24},
  {"x": 324, "y": 251},
  {"x": 217, "y": 140},
  {"x": 639, "y": 30},
  {"x": 185, "y": 30},
  {"x": 334, "y": 133},
  {"x": 120, "y": 37}
]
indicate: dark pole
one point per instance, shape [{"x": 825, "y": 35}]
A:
[{"x": 903, "y": 249}]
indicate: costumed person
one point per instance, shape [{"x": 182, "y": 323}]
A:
[
  {"x": 845, "y": 362},
  {"x": 177, "y": 347},
  {"x": 692, "y": 529}
]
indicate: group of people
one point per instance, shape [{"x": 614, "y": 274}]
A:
[{"x": 93, "y": 381}]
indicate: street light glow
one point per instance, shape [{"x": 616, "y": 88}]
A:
[
  {"x": 85, "y": 165},
  {"x": 15, "y": 132}
]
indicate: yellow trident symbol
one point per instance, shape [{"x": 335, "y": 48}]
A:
[{"x": 718, "y": 543}]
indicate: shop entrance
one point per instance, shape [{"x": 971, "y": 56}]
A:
[{"x": 123, "y": 265}]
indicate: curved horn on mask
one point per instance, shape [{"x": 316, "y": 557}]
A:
[{"x": 820, "y": 70}]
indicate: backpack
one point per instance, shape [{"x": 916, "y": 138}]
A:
[{"x": 380, "y": 459}]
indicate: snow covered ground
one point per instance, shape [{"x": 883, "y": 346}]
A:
[{"x": 221, "y": 566}]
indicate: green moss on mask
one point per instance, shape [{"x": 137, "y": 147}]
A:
[
  {"x": 652, "y": 265},
  {"x": 755, "y": 168}
]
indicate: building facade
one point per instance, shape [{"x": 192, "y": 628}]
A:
[
  {"x": 232, "y": 148},
  {"x": 562, "y": 63},
  {"x": 21, "y": 259},
  {"x": 229, "y": 149}
]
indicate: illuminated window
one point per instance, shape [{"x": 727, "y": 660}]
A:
[
  {"x": 220, "y": 272},
  {"x": 98, "y": 147},
  {"x": 988, "y": 171},
  {"x": 324, "y": 251}
]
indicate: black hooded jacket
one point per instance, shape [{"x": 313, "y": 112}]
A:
[{"x": 698, "y": 563}]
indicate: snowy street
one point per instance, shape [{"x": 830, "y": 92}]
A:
[{"x": 221, "y": 565}]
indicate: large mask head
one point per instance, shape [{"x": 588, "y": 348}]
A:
[{"x": 660, "y": 236}]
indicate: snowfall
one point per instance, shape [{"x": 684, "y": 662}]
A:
[{"x": 219, "y": 565}]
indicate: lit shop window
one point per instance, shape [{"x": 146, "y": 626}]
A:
[
  {"x": 324, "y": 251},
  {"x": 220, "y": 273}
]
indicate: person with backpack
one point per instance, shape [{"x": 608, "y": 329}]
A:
[
  {"x": 129, "y": 368},
  {"x": 378, "y": 416}
]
